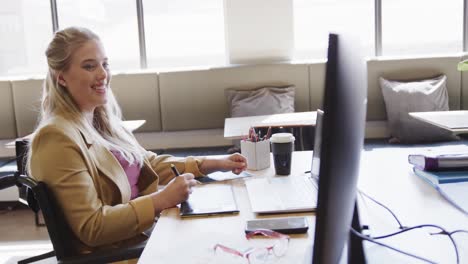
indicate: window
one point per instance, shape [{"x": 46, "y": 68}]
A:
[
  {"x": 115, "y": 22},
  {"x": 314, "y": 19},
  {"x": 25, "y": 31},
  {"x": 184, "y": 33},
  {"x": 421, "y": 27}
]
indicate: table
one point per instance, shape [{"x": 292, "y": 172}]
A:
[
  {"x": 132, "y": 125},
  {"x": 385, "y": 175},
  {"x": 196, "y": 237},
  {"x": 455, "y": 121},
  {"x": 238, "y": 127}
]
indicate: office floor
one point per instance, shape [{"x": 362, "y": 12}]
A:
[{"x": 20, "y": 237}]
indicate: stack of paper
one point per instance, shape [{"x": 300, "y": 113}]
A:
[{"x": 456, "y": 194}]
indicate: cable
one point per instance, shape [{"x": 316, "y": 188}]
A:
[
  {"x": 406, "y": 229},
  {"x": 372, "y": 199},
  {"x": 379, "y": 203},
  {"x": 458, "y": 231},
  {"x": 444, "y": 232},
  {"x": 409, "y": 229},
  {"x": 356, "y": 233}
]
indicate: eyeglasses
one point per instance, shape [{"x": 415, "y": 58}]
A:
[{"x": 255, "y": 255}]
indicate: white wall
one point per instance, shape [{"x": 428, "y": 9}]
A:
[{"x": 249, "y": 34}]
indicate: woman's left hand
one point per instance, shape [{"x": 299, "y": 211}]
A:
[{"x": 234, "y": 162}]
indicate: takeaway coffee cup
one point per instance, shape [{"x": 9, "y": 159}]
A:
[{"x": 282, "y": 145}]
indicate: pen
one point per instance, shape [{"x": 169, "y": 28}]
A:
[
  {"x": 268, "y": 134},
  {"x": 174, "y": 170}
]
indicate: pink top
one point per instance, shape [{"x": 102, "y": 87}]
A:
[{"x": 132, "y": 171}]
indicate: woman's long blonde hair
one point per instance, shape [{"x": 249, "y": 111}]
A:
[{"x": 106, "y": 129}]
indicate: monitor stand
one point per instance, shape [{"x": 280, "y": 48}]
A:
[
  {"x": 353, "y": 251},
  {"x": 308, "y": 256}
]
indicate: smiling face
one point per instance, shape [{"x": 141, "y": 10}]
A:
[{"x": 87, "y": 76}]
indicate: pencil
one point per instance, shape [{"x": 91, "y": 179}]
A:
[{"x": 174, "y": 170}]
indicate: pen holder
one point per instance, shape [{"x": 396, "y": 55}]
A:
[{"x": 256, "y": 153}]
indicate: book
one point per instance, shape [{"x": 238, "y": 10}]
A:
[
  {"x": 438, "y": 162},
  {"x": 441, "y": 177}
]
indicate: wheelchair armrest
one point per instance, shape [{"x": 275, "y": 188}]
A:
[{"x": 7, "y": 181}]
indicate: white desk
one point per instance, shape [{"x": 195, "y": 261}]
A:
[
  {"x": 385, "y": 175},
  {"x": 238, "y": 127},
  {"x": 455, "y": 121},
  {"x": 176, "y": 240}
]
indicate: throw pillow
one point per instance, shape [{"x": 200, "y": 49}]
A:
[
  {"x": 260, "y": 101},
  {"x": 403, "y": 97}
]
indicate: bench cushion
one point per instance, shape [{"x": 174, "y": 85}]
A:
[
  {"x": 196, "y": 100},
  {"x": 138, "y": 96},
  {"x": 7, "y": 112},
  {"x": 27, "y": 101},
  {"x": 410, "y": 69}
]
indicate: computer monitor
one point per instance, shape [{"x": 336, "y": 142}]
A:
[
  {"x": 342, "y": 137},
  {"x": 315, "y": 166}
]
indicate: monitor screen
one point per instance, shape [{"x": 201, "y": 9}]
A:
[
  {"x": 342, "y": 137},
  {"x": 315, "y": 167}
]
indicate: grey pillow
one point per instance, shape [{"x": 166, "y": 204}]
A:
[
  {"x": 260, "y": 101},
  {"x": 402, "y": 97}
]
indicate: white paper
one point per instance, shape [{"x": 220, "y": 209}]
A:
[
  {"x": 456, "y": 193},
  {"x": 228, "y": 175}
]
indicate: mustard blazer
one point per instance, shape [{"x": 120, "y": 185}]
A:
[{"x": 92, "y": 188}]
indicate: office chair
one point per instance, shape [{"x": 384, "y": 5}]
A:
[
  {"x": 63, "y": 240},
  {"x": 25, "y": 194}
]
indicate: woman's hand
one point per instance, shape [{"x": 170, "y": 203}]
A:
[
  {"x": 175, "y": 192},
  {"x": 234, "y": 162}
]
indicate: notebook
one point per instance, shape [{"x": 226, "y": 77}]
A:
[
  {"x": 211, "y": 199},
  {"x": 282, "y": 194}
]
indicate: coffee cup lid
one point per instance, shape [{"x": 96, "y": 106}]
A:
[{"x": 282, "y": 138}]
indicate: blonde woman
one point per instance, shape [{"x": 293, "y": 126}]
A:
[{"x": 104, "y": 181}]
